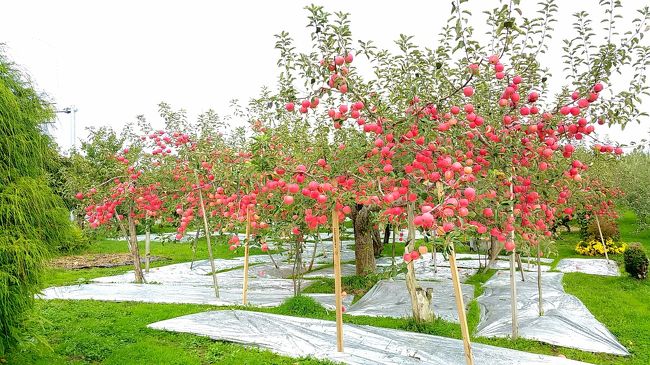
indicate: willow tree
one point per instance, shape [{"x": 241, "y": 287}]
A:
[{"x": 33, "y": 219}]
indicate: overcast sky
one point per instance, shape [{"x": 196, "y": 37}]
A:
[{"x": 117, "y": 59}]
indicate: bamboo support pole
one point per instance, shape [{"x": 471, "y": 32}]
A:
[
  {"x": 246, "y": 248},
  {"x": 513, "y": 282},
  {"x": 513, "y": 297},
  {"x": 460, "y": 307},
  {"x": 337, "y": 280},
  {"x": 540, "y": 303},
  {"x": 602, "y": 239},
  {"x": 393, "y": 253},
  {"x": 147, "y": 249}
]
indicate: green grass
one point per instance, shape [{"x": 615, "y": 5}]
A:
[
  {"x": 353, "y": 285},
  {"x": 388, "y": 249},
  {"x": 621, "y": 303},
  {"x": 91, "y": 332},
  {"x": 630, "y": 233}
]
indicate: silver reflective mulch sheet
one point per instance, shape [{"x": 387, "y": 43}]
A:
[
  {"x": 386, "y": 261},
  {"x": 589, "y": 266},
  {"x": 468, "y": 265},
  {"x": 179, "y": 283},
  {"x": 298, "y": 337},
  {"x": 269, "y": 293},
  {"x": 153, "y": 293},
  {"x": 390, "y": 298},
  {"x": 199, "y": 273},
  {"x": 524, "y": 259},
  {"x": 566, "y": 321},
  {"x": 423, "y": 272},
  {"x": 497, "y": 265}
]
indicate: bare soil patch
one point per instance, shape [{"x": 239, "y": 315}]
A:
[{"x": 98, "y": 260}]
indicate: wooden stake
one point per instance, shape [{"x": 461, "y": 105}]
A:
[
  {"x": 248, "y": 236},
  {"x": 460, "y": 307},
  {"x": 206, "y": 228},
  {"x": 513, "y": 283},
  {"x": 540, "y": 303},
  {"x": 147, "y": 249},
  {"x": 513, "y": 297},
  {"x": 602, "y": 239},
  {"x": 393, "y": 254},
  {"x": 337, "y": 280},
  {"x": 435, "y": 233}
]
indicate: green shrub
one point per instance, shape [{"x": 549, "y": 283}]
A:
[
  {"x": 33, "y": 219},
  {"x": 636, "y": 261},
  {"x": 608, "y": 227},
  {"x": 583, "y": 223},
  {"x": 76, "y": 242}
]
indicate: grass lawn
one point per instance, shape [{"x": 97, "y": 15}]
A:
[
  {"x": 621, "y": 303},
  {"x": 91, "y": 332}
]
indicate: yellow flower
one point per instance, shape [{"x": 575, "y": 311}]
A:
[{"x": 595, "y": 247}]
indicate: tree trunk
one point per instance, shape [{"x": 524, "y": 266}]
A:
[
  {"x": 297, "y": 267},
  {"x": 133, "y": 247},
  {"x": 363, "y": 240},
  {"x": 420, "y": 299},
  {"x": 434, "y": 253},
  {"x": 387, "y": 230},
  {"x": 272, "y": 259},
  {"x": 493, "y": 252},
  {"x": 521, "y": 267},
  {"x": 377, "y": 243},
  {"x": 194, "y": 243},
  {"x": 313, "y": 254},
  {"x": 206, "y": 230}
]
